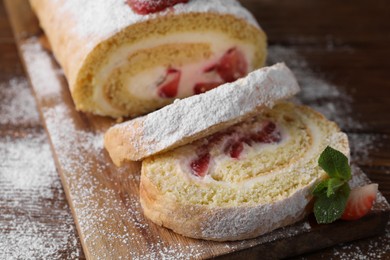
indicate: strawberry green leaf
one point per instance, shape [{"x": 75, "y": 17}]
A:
[
  {"x": 335, "y": 164},
  {"x": 328, "y": 209}
]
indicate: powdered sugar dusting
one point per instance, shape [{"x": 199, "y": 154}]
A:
[
  {"x": 266, "y": 217},
  {"x": 40, "y": 63},
  {"x": 17, "y": 104},
  {"x": 366, "y": 249},
  {"x": 363, "y": 144},
  {"x": 106, "y": 17},
  {"x": 29, "y": 185}
]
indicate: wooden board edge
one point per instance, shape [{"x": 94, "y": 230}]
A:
[
  {"x": 347, "y": 231},
  {"x": 23, "y": 21}
]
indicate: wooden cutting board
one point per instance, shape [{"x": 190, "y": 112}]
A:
[{"x": 105, "y": 199}]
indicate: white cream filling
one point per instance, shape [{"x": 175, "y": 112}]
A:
[
  {"x": 218, "y": 156},
  {"x": 255, "y": 148},
  {"x": 317, "y": 137},
  {"x": 143, "y": 85}
]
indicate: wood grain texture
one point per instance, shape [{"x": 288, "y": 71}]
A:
[
  {"x": 313, "y": 46},
  {"x": 35, "y": 219}
]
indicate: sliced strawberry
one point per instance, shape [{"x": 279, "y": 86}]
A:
[
  {"x": 269, "y": 128},
  {"x": 152, "y": 6},
  {"x": 236, "y": 149},
  {"x": 360, "y": 202},
  {"x": 232, "y": 65},
  {"x": 234, "y": 146},
  {"x": 203, "y": 87},
  {"x": 168, "y": 89},
  {"x": 267, "y": 135},
  {"x": 200, "y": 165},
  {"x": 232, "y": 142}
]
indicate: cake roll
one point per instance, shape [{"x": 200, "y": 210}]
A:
[
  {"x": 243, "y": 181},
  {"x": 127, "y": 58}
]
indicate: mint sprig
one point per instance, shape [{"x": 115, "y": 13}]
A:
[
  {"x": 335, "y": 164},
  {"x": 331, "y": 195}
]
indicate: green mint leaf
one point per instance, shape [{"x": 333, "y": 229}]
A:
[
  {"x": 335, "y": 164},
  {"x": 328, "y": 209},
  {"x": 334, "y": 185},
  {"x": 321, "y": 188}
]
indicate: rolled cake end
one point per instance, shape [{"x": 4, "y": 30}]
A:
[{"x": 149, "y": 64}]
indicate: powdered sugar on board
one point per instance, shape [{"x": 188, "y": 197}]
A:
[
  {"x": 47, "y": 75},
  {"x": 104, "y": 198},
  {"x": 31, "y": 198},
  {"x": 365, "y": 249},
  {"x": 17, "y": 104},
  {"x": 29, "y": 186}
]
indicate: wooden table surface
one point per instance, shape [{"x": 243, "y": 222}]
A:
[{"x": 345, "y": 43}]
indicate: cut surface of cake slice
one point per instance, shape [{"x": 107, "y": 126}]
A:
[
  {"x": 122, "y": 61},
  {"x": 197, "y": 116},
  {"x": 243, "y": 181}
]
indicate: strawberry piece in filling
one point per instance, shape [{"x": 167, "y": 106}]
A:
[
  {"x": 267, "y": 134},
  {"x": 232, "y": 65},
  {"x": 200, "y": 165},
  {"x": 152, "y": 6},
  {"x": 235, "y": 149},
  {"x": 169, "y": 88},
  {"x": 234, "y": 145},
  {"x": 229, "y": 68}
]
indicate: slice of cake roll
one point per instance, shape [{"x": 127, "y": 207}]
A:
[
  {"x": 232, "y": 163},
  {"x": 198, "y": 116},
  {"x": 126, "y": 58},
  {"x": 243, "y": 181}
]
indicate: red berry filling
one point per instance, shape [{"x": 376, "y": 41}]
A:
[
  {"x": 235, "y": 149},
  {"x": 232, "y": 65},
  {"x": 168, "y": 89},
  {"x": 267, "y": 134},
  {"x": 234, "y": 145},
  {"x": 152, "y": 6},
  {"x": 200, "y": 165}
]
